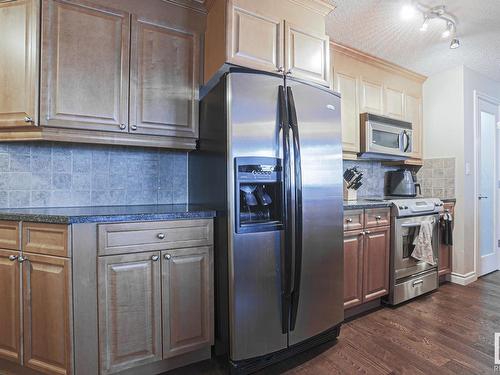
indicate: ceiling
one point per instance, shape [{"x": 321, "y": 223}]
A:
[{"x": 376, "y": 27}]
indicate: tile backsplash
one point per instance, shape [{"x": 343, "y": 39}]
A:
[
  {"x": 437, "y": 177},
  {"x": 59, "y": 175},
  {"x": 373, "y": 176}
]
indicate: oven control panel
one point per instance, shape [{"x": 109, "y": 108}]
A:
[{"x": 416, "y": 206}]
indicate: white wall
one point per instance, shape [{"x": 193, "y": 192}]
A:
[{"x": 448, "y": 106}]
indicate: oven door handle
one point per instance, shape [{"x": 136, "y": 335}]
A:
[{"x": 413, "y": 225}]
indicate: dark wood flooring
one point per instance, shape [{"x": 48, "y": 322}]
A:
[{"x": 450, "y": 331}]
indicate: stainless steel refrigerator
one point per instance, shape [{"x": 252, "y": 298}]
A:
[{"x": 269, "y": 159}]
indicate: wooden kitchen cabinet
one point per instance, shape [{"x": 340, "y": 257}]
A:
[
  {"x": 19, "y": 24},
  {"x": 281, "y": 35},
  {"x": 376, "y": 253},
  {"x": 446, "y": 251},
  {"x": 353, "y": 266},
  {"x": 187, "y": 300},
  {"x": 369, "y": 84},
  {"x": 84, "y": 75},
  {"x": 164, "y": 85},
  {"x": 47, "y": 314},
  {"x": 129, "y": 311},
  {"x": 366, "y": 256},
  {"x": 10, "y": 317}
]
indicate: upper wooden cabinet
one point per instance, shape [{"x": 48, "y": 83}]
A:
[
  {"x": 118, "y": 72},
  {"x": 164, "y": 80},
  {"x": 281, "y": 35},
  {"x": 369, "y": 84},
  {"x": 18, "y": 63}
]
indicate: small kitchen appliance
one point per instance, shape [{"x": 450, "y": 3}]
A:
[{"x": 401, "y": 183}]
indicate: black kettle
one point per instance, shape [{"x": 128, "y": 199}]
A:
[{"x": 402, "y": 183}]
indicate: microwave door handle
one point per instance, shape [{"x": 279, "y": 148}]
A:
[{"x": 407, "y": 141}]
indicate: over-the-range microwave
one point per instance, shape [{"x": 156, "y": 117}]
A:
[{"x": 385, "y": 138}]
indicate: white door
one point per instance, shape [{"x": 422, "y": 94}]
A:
[{"x": 486, "y": 177}]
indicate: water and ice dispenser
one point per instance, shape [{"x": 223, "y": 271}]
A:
[{"x": 259, "y": 194}]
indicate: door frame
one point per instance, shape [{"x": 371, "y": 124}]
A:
[{"x": 478, "y": 97}]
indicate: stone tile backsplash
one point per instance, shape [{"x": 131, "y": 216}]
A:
[
  {"x": 373, "y": 176},
  {"x": 57, "y": 175},
  {"x": 437, "y": 177}
]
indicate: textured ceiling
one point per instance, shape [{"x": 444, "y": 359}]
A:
[{"x": 376, "y": 27}]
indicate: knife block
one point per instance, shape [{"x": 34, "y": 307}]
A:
[{"x": 350, "y": 194}]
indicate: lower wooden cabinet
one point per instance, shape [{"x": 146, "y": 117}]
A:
[
  {"x": 376, "y": 250},
  {"x": 446, "y": 251},
  {"x": 187, "y": 300},
  {"x": 129, "y": 311},
  {"x": 366, "y": 259},
  {"x": 47, "y": 314},
  {"x": 10, "y": 317}
]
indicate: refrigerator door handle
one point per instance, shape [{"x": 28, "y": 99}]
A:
[
  {"x": 286, "y": 250},
  {"x": 292, "y": 117}
]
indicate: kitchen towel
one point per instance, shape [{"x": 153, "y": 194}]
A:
[
  {"x": 423, "y": 244},
  {"x": 447, "y": 229}
]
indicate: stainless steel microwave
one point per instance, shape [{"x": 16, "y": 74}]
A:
[{"x": 385, "y": 138}]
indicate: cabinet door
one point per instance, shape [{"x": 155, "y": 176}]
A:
[
  {"x": 307, "y": 55},
  {"x": 347, "y": 86},
  {"x": 353, "y": 268},
  {"x": 371, "y": 97},
  {"x": 187, "y": 300},
  {"x": 18, "y": 62},
  {"x": 376, "y": 263},
  {"x": 85, "y": 59},
  {"x": 129, "y": 311},
  {"x": 164, "y": 80},
  {"x": 444, "y": 259},
  {"x": 255, "y": 41},
  {"x": 394, "y": 103},
  {"x": 10, "y": 315},
  {"x": 413, "y": 114},
  {"x": 47, "y": 313}
]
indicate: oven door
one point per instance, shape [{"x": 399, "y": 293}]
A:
[
  {"x": 406, "y": 229},
  {"x": 388, "y": 139}
]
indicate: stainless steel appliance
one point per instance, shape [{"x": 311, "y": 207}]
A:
[
  {"x": 401, "y": 183},
  {"x": 410, "y": 277},
  {"x": 270, "y": 160},
  {"x": 385, "y": 138}
]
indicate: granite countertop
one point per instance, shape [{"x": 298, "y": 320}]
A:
[
  {"x": 449, "y": 200},
  {"x": 365, "y": 203},
  {"x": 106, "y": 214}
]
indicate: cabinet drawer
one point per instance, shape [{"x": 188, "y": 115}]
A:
[
  {"x": 146, "y": 236},
  {"x": 377, "y": 217},
  {"x": 9, "y": 235},
  {"x": 48, "y": 239},
  {"x": 353, "y": 219}
]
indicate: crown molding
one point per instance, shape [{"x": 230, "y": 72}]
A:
[
  {"x": 381, "y": 63},
  {"x": 323, "y": 7},
  {"x": 202, "y": 6}
]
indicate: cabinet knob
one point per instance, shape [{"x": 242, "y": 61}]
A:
[
  {"x": 168, "y": 256},
  {"x": 123, "y": 126},
  {"x": 12, "y": 257},
  {"x": 161, "y": 236},
  {"x": 133, "y": 127},
  {"x": 22, "y": 259},
  {"x": 349, "y": 220},
  {"x": 28, "y": 119},
  {"x": 280, "y": 69},
  {"x": 378, "y": 217},
  {"x": 288, "y": 72},
  {"x": 367, "y": 232},
  {"x": 154, "y": 258}
]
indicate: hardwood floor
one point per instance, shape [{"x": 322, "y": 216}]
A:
[{"x": 450, "y": 331}]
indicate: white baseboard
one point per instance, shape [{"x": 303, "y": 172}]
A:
[{"x": 465, "y": 279}]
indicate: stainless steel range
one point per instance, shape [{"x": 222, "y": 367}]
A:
[{"x": 410, "y": 277}]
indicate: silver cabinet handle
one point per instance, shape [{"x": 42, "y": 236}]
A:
[
  {"x": 133, "y": 127},
  {"x": 482, "y": 197},
  {"x": 161, "y": 236},
  {"x": 417, "y": 282},
  {"x": 378, "y": 217},
  {"x": 28, "y": 119},
  {"x": 367, "y": 232},
  {"x": 13, "y": 257},
  {"x": 168, "y": 256},
  {"x": 154, "y": 258},
  {"x": 288, "y": 72},
  {"x": 22, "y": 259},
  {"x": 349, "y": 220},
  {"x": 123, "y": 126},
  {"x": 280, "y": 69}
]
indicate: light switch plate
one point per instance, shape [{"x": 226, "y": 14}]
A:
[{"x": 467, "y": 168}]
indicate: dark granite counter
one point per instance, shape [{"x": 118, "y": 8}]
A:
[
  {"x": 449, "y": 200},
  {"x": 362, "y": 203},
  {"x": 106, "y": 214}
]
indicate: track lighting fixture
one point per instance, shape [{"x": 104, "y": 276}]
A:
[{"x": 438, "y": 12}]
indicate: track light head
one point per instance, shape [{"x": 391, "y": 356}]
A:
[{"x": 455, "y": 43}]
